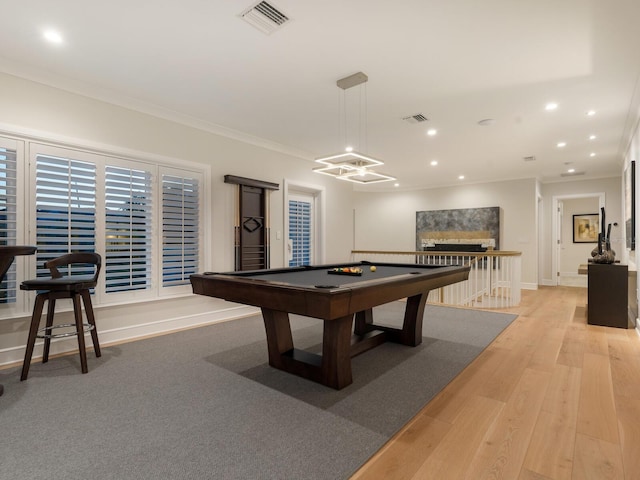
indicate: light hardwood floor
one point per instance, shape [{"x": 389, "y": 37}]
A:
[{"x": 550, "y": 398}]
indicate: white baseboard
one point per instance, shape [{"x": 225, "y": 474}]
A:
[
  {"x": 529, "y": 286},
  {"x": 552, "y": 283},
  {"x": 118, "y": 335},
  {"x": 571, "y": 279}
]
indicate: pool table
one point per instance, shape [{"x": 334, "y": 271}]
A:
[{"x": 336, "y": 298}]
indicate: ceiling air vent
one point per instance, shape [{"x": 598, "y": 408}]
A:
[
  {"x": 530, "y": 158},
  {"x": 417, "y": 118},
  {"x": 265, "y": 17},
  {"x": 572, "y": 174}
]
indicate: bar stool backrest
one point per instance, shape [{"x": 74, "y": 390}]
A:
[{"x": 76, "y": 258}]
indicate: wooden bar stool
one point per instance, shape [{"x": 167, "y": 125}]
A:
[{"x": 59, "y": 286}]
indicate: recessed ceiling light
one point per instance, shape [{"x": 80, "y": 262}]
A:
[
  {"x": 551, "y": 106},
  {"x": 592, "y": 154},
  {"x": 591, "y": 113},
  {"x": 431, "y": 132},
  {"x": 461, "y": 177},
  {"x": 561, "y": 144},
  {"x": 571, "y": 174},
  {"x": 348, "y": 149},
  {"x": 571, "y": 170},
  {"x": 434, "y": 163},
  {"x": 592, "y": 137},
  {"x": 396, "y": 184},
  {"x": 52, "y": 36}
]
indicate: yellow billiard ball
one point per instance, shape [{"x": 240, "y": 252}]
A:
[{"x": 372, "y": 268}]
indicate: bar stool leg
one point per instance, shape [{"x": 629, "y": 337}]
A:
[
  {"x": 77, "y": 310},
  {"x": 33, "y": 331},
  {"x": 88, "y": 308},
  {"x": 47, "y": 339}
]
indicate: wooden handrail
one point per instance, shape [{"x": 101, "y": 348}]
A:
[
  {"x": 488, "y": 253},
  {"x": 494, "y": 279}
]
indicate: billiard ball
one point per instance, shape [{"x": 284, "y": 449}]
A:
[{"x": 372, "y": 268}]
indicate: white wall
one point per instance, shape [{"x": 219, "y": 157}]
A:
[
  {"x": 388, "y": 221},
  {"x": 29, "y": 108},
  {"x": 612, "y": 189},
  {"x": 572, "y": 255},
  {"x": 633, "y": 153}
]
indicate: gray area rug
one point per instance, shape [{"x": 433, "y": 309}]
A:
[{"x": 204, "y": 404}]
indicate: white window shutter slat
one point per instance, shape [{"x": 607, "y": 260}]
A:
[
  {"x": 65, "y": 208},
  {"x": 180, "y": 229},
  {"x": 300, "y": 232},
  {"x": 8, "y": 221},
  {"x": 128, "y": 219}
]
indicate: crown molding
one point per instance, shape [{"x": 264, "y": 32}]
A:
[{"x": 94, "y": 92}]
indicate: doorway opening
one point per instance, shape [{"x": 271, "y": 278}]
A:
[
  {"x": 568, "y": 251},
  {"x": 304, "y": 224}
]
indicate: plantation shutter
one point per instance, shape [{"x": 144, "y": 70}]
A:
[
  {"x": 8, "y": 226},
  {"x": 65, "y": 209},
  {"x": 128, "y": 222},
  {"x": 300, "y": 232},
  {"x": 180, "y": 229}
]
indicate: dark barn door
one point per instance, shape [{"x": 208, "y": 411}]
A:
[
  {"x": 253, "y": 243},
  {"x": 252, "y": 223}
]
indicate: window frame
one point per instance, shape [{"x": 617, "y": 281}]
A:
[
  {"x": 158, "y": 263},
  {"x": 137, "y": 293},
  {"x": 21, "y": 264},
  {"x": 29, "y": 146},
  {"x": 293, "y": 188},
  {"x": 302, "y": 218},
  {"x": 62, "y": 168}
]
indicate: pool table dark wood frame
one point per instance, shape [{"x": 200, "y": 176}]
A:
[{"x": 336, "y": 306}]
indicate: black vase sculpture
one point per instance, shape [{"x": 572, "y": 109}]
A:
[{"x": 603, "y": 252}]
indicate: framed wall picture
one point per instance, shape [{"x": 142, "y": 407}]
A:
[
  {"x": 630, "y": 205},
  {"x": 585, "y": 228}
]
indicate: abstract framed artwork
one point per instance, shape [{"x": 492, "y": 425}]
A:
[{"x": 585, "y": 228}]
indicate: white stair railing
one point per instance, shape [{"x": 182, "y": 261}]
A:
[{"x": 494, "y": 278}]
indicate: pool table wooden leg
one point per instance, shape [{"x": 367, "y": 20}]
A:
[
  {"x": 411, "y": 332},
  {"x": 279, "y": 338},
  {"x": 336, "y": 352},
  {"x": 412, "y": 326},
  {"x": 364, "y": 322},
  {"x": 332, "y": 368}
]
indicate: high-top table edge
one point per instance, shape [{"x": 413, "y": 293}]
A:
[{"x": 7, "y": 255}]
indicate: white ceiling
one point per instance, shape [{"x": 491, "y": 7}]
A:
[{"x": 456, "y": 62}]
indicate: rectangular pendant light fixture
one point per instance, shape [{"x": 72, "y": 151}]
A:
[{"x": 350, "y": 165}]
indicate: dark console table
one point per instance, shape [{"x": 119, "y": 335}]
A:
[{"x": 607, "y": 296}]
